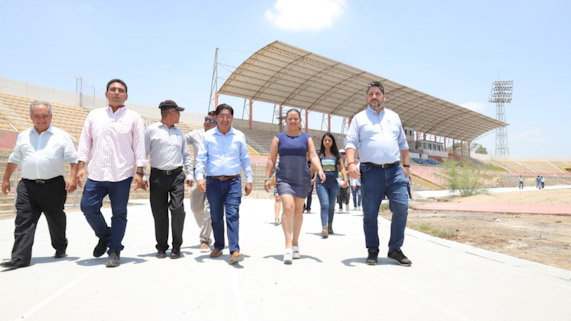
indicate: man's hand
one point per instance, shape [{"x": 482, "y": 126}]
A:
[
  {"x": 71, "y": 185},
  {"x": 248, "y": 188},
  {"x": 354, "y": 171},
  {"x": 80, "y": 175},
  {"x": 406, "y": 171},
  {"x": 5, "y": 187},
  {"x": 202, "y": 185},
  {"x": 189, "y": 182},
  {"x": 139, "y": 183}
]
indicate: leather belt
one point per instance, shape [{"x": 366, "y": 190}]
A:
[
  {"x": 167, "y": 172},
  {"x": 42, "y": 181},
  {"x": 224, "y": 178},
  {"x": 380, "y": 165}
]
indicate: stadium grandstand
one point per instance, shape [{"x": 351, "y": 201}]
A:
[{"x": 287, "y": 76}]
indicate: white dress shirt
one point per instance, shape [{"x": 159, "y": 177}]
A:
[
  {"x": 43, "y": 155},
  {"x": 196, "y": 138},
  {"x": 168, "y": 148},
  {"x": 113, "y": 144}
]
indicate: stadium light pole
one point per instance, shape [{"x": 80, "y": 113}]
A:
[{"x": 501, "y": 94}]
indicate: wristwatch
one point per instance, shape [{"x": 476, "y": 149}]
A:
[{"x": 405, "y": 165}]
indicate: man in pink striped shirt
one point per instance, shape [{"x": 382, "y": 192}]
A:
[{"x": 113, "y": 142}]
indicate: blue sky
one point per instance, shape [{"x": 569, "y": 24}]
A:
[{"x": 452, "y": 50}]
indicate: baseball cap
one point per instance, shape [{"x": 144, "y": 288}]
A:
[{"x": 170, "y": 104}]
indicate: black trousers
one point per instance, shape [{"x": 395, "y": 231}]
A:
[
  {"x": 343, "y": 196},
  {"x": 161, "y": 187},
  {"x": 33, "y": 199}
]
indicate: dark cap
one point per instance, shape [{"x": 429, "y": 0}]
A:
[{"x": 170, "y": 104}]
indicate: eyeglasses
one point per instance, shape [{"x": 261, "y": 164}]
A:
[
  {"x": 224, "y": 116},
  {"x": 210, "y": 120}
]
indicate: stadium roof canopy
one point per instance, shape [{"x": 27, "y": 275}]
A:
[{"x": 283, "y": 74}]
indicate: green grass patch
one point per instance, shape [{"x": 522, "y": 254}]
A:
[{"x": 445, "y": 234}]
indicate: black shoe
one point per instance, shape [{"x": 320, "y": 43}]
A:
[
  {"x": 101, "y": 247},
  {"x": 113, "y": 260},
  {"x": 175, "y": 253},
  {"x": 399, "y": 256},
  {"x": 330, "y": 228},
  {"x": 14, "y": 264},
  {"x": 161, "y": 254},
  {"x": 372, "y": 257},
  {"x": 60, "y": 254}
]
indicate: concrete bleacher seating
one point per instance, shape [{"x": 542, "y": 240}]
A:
[
  {"x": 15, "y": 111},
  {"x": 426, "y": 162}
]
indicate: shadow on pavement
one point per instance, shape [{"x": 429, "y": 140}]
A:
[{"x": 362, "y": 261}]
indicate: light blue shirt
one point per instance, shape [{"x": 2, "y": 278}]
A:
[
  {"x": 379, "y": 138},
  {"x": 223, "y": 155},
  {"x": 43, "y": 155}
]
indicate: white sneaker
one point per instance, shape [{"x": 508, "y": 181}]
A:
[
  {"x": 288, "y": 256},
  {"x": 296, "y": 254}
]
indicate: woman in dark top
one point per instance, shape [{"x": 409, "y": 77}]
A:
[
  {"x": 327, "y": 189},
  {"x": 292, "y": 178}
]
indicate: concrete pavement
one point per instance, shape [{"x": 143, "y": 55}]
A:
[{"x": 447, "y": 280}]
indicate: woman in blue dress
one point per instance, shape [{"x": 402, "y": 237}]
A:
[{"x": 292, "y": 178}]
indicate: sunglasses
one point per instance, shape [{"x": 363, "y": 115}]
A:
[{"x": 210, "y": 120}]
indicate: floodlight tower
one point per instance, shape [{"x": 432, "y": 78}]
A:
[{"x": 501, "y": 93}]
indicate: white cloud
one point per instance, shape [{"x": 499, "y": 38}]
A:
[
  {"x": 301, "y": 15},
  {"x": 478, "y": 107}
]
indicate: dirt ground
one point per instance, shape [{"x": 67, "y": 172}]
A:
[{"x": 541, "y": 238}]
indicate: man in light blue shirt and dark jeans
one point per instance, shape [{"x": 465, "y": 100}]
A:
[
  {"x": 378, "y": 134},
  {"x": 223, "y": 153}
]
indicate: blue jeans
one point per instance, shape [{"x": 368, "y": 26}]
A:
[
  {"x": 225, "y": 196},
  {"x": 376, "y": 183},
  {"x": 327, "y": 194},
  {"x": 356, "y": 195},
  {"x": 91, "y": 201}
]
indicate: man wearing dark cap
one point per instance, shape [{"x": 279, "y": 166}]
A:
[
  {"x": 378, "y": 134},
  {"x": 169, "y": 153}
]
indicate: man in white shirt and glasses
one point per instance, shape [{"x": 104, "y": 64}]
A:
[{"x": 41, "y": 151}]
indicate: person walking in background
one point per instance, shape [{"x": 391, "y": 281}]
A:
[
  {"x": 356, "y": 190},
  {"x": 520, "y": 182},
  {"x": 378, "y": 134},
  {"x": 198, "y": 203},
  {"x": 538, "y": 180},
  {"x": 113, "y": 142},
  {"x": 277, "y": 199},
  {"x": 292, "y": 178},
  {"x": 542, "y": 182},
  {"x": 343, "y": 195},
  {"x": 41, "y": 151},
  {"x": 328, "y": 188},
  {"x": 408, "y": 182},
  {"x": 309, "y": 198},
  {"x": 166, "y": 145},
  {"x": 218, "y": 164}
]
